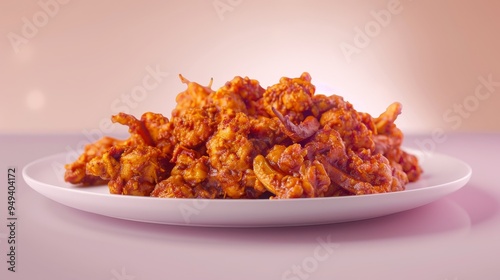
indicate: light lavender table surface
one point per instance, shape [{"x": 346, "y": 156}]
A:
[{"x": 454, "y": 238}]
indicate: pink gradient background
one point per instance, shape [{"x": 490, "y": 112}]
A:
[
  {"x": 90, "y": 53},
  {"x": 67, "y": 77}
]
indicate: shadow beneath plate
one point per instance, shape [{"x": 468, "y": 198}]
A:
[
  {"x": 453, "y": 215},
  {"x": 479, "y": 204}
]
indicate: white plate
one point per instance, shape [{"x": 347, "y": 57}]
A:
[{"x": 442, "y": 175}]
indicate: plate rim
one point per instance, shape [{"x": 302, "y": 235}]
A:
[{"x": 453, "y": 186}]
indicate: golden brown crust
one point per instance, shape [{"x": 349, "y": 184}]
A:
[
  {"x": 76, "y": 171},
  {"x": 244, "y": 141}
]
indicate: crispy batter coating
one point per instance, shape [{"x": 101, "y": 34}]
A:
[
  {"x": 354, "y": 127},
  {"x": 240, "y": 94},
  {"x": 264, "y": 134},
  {"x": 286, "y": 173},
  {"x": 292, "y": 97},
  {"x": 244, "y": 141},
  {"x": 76, "y": 171},
  {"x": 133, "y": 171},
  {"x": 161, "y": 132},
  {"x": 195, "y": 96},
  {"x": 134, "y": 166},
  {"x": 189, "y": 178},
  {"x": 194, "y": 126},
  {"x": 230, "y": 154}
]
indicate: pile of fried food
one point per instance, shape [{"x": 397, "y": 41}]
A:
[{"x": 244, "y": 141}]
